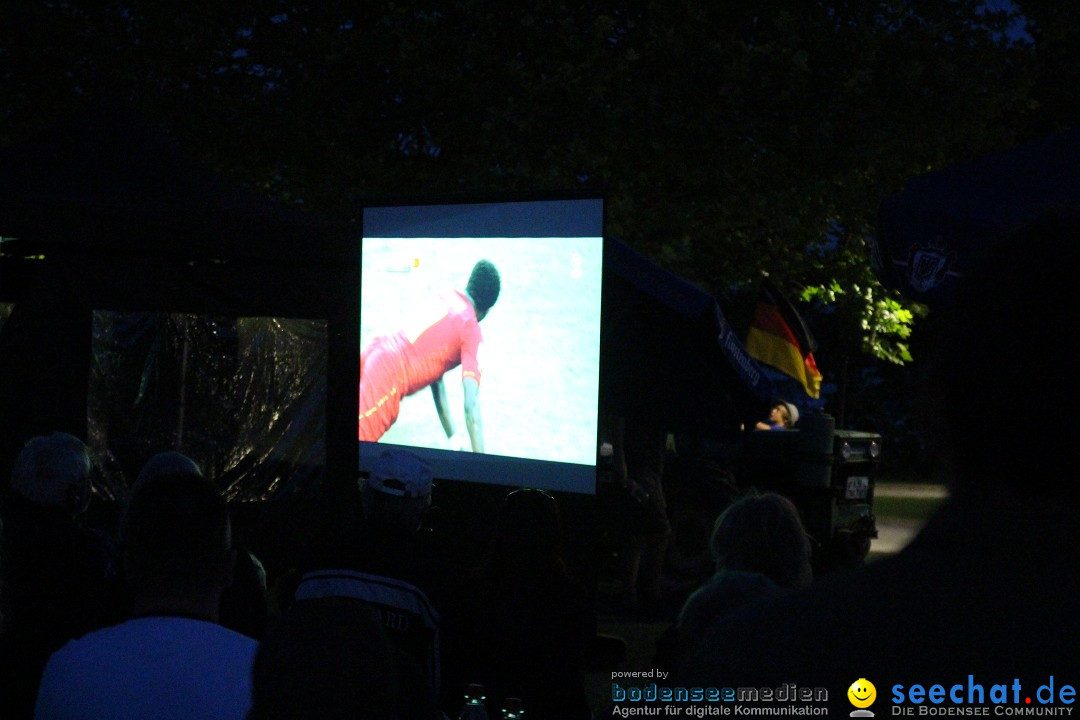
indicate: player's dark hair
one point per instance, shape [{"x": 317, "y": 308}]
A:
[{"x": 484, "y": 285}]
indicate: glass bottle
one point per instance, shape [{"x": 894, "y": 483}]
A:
[{"x": 474, "y": 707}]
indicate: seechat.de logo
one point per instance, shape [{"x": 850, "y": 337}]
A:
[{"x": 975, "y": 697}]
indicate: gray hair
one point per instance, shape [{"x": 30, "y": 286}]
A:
[
  {"x": 763, "y": 534},
  {"x": 50, "y": 469}
]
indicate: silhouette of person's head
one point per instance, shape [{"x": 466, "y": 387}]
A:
[
  {"x": 1006, "y": 366},
  {"x": 528, "y": 531},
  {"x": 169, "y": 462},
  {"x": 53, "y": 470},
  {"x": 483, "y": 287},
  {"x": 397, "y": 494},
  {"x": 326, "y": 658},
  {"x": 763, "y": 534},
  {"x": 177, "y": 541}
]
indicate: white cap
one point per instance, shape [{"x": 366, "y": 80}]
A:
[
  {"x": 401, "y": 473},
  {"x": 792, "y": 411}
]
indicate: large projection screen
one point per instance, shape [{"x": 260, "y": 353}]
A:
[{"x": 537, "y": 365}]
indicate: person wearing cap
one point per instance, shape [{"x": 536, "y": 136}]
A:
[
  {"x": 400, "y": 364},
  {"x": 397, "y": 494},
  {"x": 782, "y": 416},
  {"x": 384, "y": 567}
]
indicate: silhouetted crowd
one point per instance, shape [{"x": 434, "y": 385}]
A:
[
  {"x": 164, "y": 616},
  {"x": 166, "y": 613}
]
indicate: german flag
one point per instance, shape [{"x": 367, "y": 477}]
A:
[{"x": 779, "y": 338}]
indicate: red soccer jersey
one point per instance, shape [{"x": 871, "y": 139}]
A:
[
  {"x": 394, "y": 366},
  {"x": 454, "y": 339}
]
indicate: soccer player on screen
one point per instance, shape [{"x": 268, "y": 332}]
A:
[{"x": 398, "y": 365}]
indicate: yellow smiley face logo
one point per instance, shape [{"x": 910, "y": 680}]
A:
[{"x": 862, "y": 693}]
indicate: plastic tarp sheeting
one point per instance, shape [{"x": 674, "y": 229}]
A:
[
  {"x": 5, "y": 312},
  {"x": 244, "y": 397}
]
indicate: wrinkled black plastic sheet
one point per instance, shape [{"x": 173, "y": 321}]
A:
[
  {"x": 5, "y": 312},
  {"x": 244, "y": 397}
]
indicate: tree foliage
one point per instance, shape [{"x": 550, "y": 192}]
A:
[{"x": 730, "y": 138}]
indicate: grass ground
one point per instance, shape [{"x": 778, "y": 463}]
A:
[{"x": 907, "y": 502}]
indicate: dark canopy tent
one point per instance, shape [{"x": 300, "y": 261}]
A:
[
  {"x": 668, "y": 352},
  {"x": 939, "y": 227},
  {"x": 106, "y": 213}
]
